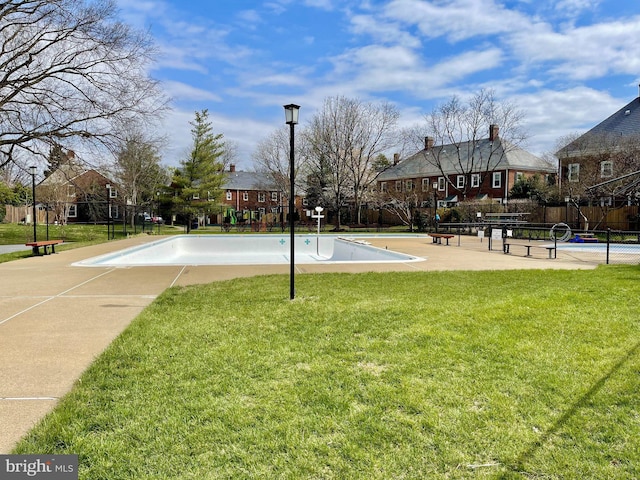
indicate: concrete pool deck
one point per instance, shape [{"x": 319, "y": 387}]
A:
[{"x": 55, "y": 319}]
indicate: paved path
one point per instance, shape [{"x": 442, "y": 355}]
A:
[
  {"x": 55, "y": 318},
  {"x": 13, "y": 248}
]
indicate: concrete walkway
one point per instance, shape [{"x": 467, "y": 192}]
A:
[{"x": 55, "y": 318}]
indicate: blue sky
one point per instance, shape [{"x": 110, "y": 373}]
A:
[{"x": 568, "y": 64}]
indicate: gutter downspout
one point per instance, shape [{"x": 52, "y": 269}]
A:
[{"x": 506, "y": 187}]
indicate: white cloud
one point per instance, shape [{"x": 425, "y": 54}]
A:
[
  {"x": 388, "y": 32},
  {"x": 582, "y": 53},
  {"x": 574, "y": 7},
  {"x": 323, "y": 4},
  {"x": 551, "y": 114},
  {"x": 249, "y": 17},
  {"x": 190, "y": 93},
  {"x": 455, "y": 19},
  {"x": 376, "y": 68}
]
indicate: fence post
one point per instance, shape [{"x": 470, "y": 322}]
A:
[{"x": 608, "y": 242}]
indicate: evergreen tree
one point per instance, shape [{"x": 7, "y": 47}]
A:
[{"x": 197, "y": 182}]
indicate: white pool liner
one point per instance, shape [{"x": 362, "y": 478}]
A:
[{"x": 248, "y": 250}]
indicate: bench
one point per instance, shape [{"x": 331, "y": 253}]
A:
[
  {"x": 550, "y": 248},
  {"x": 437, "y": 237},
  {"x": 45, "y": 244}
]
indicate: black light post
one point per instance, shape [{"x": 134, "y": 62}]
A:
[
  {"x": 32, "y": 171},
  {"x": 291, "y": 115},
  {"x": 46, "y": 209},
  {"x": 108, "y": 186}
]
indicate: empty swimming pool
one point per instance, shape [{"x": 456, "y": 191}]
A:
[{"x": 248, "y": 250}]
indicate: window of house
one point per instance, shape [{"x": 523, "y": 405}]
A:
[
  {"x": 262, "y": 197},
  {"x": 425, "y": 184},
  {"x": 196, "y": 196},
  {"x": 274, "y": 196},
  {"x": 398, "y": 185},
  {"x": 305, "y": 202},
  {"x": 383, "y": 187},
  {"x": 409, "y": 186},
  {"x": 460, "y": 181},
  {"x": 113, "y": 193},
  {"x": 573, "y": 172},
  {"x": 497, "y": 180},
  {"x": 229, "y": 195},
  {"x": 475, "y": 180},
  {"x": 606, "y": 169},
  {"x": 72, "y": 211},
  {"x": 519, "y": 176},
  {"x": 245, "y": 196},
  {"x": 114, "y": 211},
  {"x": 441, "y": 184}
]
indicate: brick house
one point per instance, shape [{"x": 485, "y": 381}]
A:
[
  {"x": 608, "y": 151},
  {"x": 481, "y": 169},
  {"x": 251, "y": 196},
  {"x": 77, "y": 195}
]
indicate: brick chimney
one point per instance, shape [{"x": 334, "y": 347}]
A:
[
  {"x": 428, "y": 143},
  {"x": 493, "y": 132},
  {"x": 396, "y": 158},
  {"x": 232, "y": 168}
]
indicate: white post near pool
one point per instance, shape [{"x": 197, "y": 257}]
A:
[{"x": 318, "y": 216}]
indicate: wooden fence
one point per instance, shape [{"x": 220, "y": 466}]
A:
[
  {"x": 599, "y": 218},
  {"x": 23, "y": 214}
]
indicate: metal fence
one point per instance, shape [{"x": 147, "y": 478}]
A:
[{"x": 600, "y": 246}]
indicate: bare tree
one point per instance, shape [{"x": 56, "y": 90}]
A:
[
  {"x": 402, "y": 203},
  {"x": 457, "y": 136},
  {"x": 230, "y": 154},
  {"x": 346, "y": 137},
  {"x": 138, "y": 171},
  {"x": 271, "y": 158},
  {"x": 69, "y": 73}
]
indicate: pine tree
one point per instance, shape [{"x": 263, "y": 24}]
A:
[{"x": 198, "y": 180}]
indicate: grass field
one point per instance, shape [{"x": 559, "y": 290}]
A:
[{"x": 444, "y": 375}]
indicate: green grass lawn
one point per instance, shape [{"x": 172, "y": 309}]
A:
[{"x": 444, "y": 375}]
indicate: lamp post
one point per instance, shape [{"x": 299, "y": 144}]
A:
[
  {"x": 32, "y": 172},
  {"x": 291, "y": 117},
  {"x": 108, "y": 186}
]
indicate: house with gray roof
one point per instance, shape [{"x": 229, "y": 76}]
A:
[
  {"x": 610, "y": 150},
  {"x": 252, "y": 195},
  {"x": 479, "y": 169}
]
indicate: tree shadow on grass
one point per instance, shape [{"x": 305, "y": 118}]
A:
[{"x": 518, "y": 464}]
